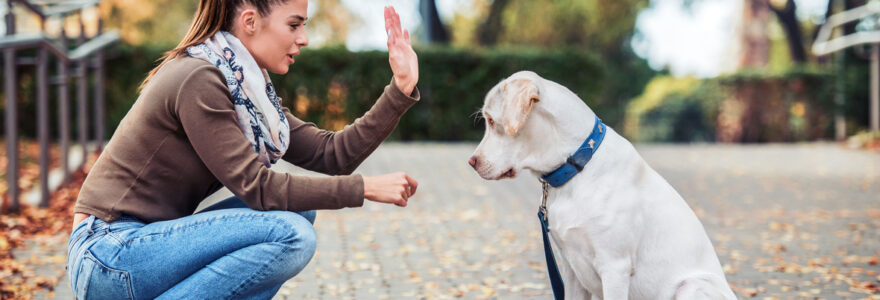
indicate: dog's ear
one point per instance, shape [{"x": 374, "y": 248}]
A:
[{"x": 519, "y": 97}]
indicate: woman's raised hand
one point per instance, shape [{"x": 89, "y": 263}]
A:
[
  {"x": 403, "y": 60},
  {"x": 395, "y": 188}
]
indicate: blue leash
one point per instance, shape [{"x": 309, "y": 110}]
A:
[
  {"x": 572, "y": 166},
  {"x": 555, "y": 278}
]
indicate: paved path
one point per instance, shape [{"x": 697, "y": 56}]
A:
[{"x": 787, "y": 221}]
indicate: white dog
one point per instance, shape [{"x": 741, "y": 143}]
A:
[{"x": 618, "y": 229}]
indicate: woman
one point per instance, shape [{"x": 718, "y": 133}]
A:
[{"x": 208, "y": 117}]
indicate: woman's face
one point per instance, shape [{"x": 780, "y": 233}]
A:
[{"x": 275, "y": 38}]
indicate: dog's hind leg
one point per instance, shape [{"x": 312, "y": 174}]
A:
[{"x": 704, "y": 287}]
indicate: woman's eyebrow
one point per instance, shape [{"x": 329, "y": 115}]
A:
[{"x": 298, "y": 17}]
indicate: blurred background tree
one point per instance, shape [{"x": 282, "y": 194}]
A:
[
  {"x": 603, "y": 26},
  {"x": 777, "y": 91},
  {"x": 139, "y": 22}
]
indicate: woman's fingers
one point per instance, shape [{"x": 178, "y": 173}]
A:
[
  {"x": 412, "y": 184},
  {"x": 392, "y": 23},
  {"x": 403, "y": 198},
  {"x": 389, "y": 21},
  {"x": 396, "y": 18},
  {"x": 407, "y": 188}
]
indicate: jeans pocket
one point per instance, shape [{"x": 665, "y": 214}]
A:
[{"x": 95, "y": 280}]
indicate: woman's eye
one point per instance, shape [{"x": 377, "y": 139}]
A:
[{"x": 294, "y": 26}]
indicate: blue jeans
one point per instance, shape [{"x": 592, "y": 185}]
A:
[{"x": 227, "y": 251}]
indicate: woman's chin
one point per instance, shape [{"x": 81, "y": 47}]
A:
[{"x": 280, "y": 70}]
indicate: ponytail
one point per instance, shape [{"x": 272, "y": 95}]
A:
[
  {"x": 212, "y": 16},
  {"x": 207, "y": 21}
]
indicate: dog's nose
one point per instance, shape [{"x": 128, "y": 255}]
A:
[{"x": 473, "y": 161}]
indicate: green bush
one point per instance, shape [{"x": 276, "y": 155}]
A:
[
  {"x": 795, "y": 104},
  {"x": 674, "y": 110},
  {"x": 453, "y": 84},
  {"x": 747, "y": 106}
]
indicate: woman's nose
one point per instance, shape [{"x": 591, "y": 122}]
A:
[{"x": 303, "y": 40}]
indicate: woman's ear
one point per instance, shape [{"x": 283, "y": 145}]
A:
[{"x": 247, "y": 20}]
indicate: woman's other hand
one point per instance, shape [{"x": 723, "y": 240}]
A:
[
  {"x": 403, "y": 60},
  {"x": 395, "y": 188}
]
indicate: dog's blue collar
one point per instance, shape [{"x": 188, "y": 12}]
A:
[{"x": 576, "y": 162}]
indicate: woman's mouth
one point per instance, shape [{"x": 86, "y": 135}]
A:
[{"x": 290, "y": 58}]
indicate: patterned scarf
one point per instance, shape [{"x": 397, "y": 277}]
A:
[{"x": 256, "y": 104}]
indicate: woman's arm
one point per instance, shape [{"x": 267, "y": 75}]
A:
[{"x": 208, "y": 118}]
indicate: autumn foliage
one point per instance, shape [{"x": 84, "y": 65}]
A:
[{"x": 17, "y": 277}]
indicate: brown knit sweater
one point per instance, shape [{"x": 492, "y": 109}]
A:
[{"x": 180, "y": 142}]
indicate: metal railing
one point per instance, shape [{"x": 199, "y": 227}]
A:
[
  {"x": 88, "y": 54},
  {"x": 868, "y": 15}
]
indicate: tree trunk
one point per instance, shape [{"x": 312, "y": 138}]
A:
[
  {"x": 755, "y": 44},
  {"x": 489, "y": 31},
  {"x": 792, "y": 27},
  {"x": 434, "y": 29}
]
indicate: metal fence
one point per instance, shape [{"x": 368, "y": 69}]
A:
[{"x": 73, "y": 63}]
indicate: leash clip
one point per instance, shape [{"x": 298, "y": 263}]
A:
[{"x": 545, "y": 187}]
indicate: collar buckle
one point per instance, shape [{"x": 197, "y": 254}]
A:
[{"x": 570, "y": 161}]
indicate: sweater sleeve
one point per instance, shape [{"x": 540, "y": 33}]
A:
[
  {"x": 341, "y": 152},
  {"x": 207, "y": 115}
]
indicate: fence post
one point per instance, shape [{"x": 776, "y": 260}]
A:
[
  {"x": 63, "y": 107},
  {"x": 99, "y": 93},
  {"x": 9, "y": 69},
  {"x": 875, "y": 88},
  {"x": 82, "y": 92},
  {"x": 43, "y": 122}
]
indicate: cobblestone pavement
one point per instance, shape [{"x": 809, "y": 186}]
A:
[{"x": 788, "y": 222}]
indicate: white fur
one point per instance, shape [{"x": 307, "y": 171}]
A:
[{"x": 618, "y": 229}]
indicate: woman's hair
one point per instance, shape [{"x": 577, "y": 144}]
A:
[{"x": 212, "y": 16}]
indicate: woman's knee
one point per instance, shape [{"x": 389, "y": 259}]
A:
[
  {"x": 299, "y": 240},
  {"x": 296, "y": 230},
  {"x": 309, "y": 215}
]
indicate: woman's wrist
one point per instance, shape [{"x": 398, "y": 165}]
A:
[
  {"x": 368, "y": 188},
  {"x": 405, "y": 85}
]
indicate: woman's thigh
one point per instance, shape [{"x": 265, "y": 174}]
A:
[
  {"x": 234, "y": 202},
  {"x": 159, "y": 255}
]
